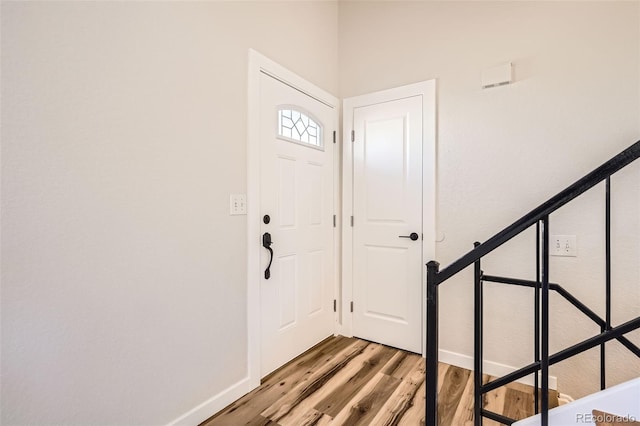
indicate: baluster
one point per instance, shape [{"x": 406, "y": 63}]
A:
[
  {"x": 477, "y": 343},
  {"x": 607, "y": 238},
  {"x": 536, "y": 322},
  {"x": 545, "y": 322}
]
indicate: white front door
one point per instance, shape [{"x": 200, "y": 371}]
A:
[
  {"x": 387, "y": 228},
  {"x": 296, "y": 178}
]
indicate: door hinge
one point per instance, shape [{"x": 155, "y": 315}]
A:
[
  {"x": 334, "y": 220},
  {"x": 334, "y": 136},
  {"x": 351, "y": 306},
  {"x": 335, "y": 305},
  {"x": 352, "y": 221},
  {"x": 353, "y": 136}
]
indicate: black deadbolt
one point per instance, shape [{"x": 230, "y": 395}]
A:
[{"x": 266, "y": 219}]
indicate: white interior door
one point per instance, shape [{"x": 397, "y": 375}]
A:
[
  {"x": 387, "y": 210},
  {"x": 296, "y": 177}
]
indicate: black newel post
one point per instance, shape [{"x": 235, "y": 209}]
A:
[{"x": 431, "y": 413}]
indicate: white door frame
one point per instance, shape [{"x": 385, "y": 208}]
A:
[
  {"x": 427, "y": 90},
  {"x": 260, "y": 64}
]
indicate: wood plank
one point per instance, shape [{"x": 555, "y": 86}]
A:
[
  {"x": 414, "y": 416},
  {"x": 464, "y": 413},
  {"x": 343, "y": 385},
  {"x": 325, "y": 420},
  {"x": 312, "y": 383},
  {"x": 442, "y": 373},
  {"x": 553, "y": 399},
  {"x": 394, "y": 362},
  {"x": 450, "y": 395},
  {"x": 366, "y": 404},
  {"x": 401, "y": 399},
  {"x": 403, "y": 363},
  {"x": 355, "y": 378},
  {"x": 518, "y": 405},
  {"x": 256, "y": 421},
  {"x": 337, "y": 344},
  {"x": 311, "y": 418},
  {"x": 279, "y": 383},
  {"x": 493, "y": 401},
  {"x": 326, "y": 344}
]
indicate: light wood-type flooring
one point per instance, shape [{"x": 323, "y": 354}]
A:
[{"x": 348, "y": 381}]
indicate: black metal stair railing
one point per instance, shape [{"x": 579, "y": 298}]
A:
[{"x": 542, "y": 287}]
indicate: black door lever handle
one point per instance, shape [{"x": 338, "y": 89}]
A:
[
  {"x": 266, "y": 243},
  {"x": 413, "y": 236}
]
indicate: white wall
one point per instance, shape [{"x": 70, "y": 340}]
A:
[
  {"x": 503, "y": 151},
  {"x": 123, "y": 134}
]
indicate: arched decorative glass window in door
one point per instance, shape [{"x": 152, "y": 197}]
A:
[{"x": 297, "y": 126}]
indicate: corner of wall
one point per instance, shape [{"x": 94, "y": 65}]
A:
[{"x": 214, "y": 404}]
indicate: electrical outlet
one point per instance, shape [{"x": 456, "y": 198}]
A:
[
  {"x": 237, "y": 204},
  {"x": 563, "y": 245}
]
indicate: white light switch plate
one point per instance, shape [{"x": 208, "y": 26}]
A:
[
  {"x": 563, "y": 245},
  {"x": 237, "y": 204}
]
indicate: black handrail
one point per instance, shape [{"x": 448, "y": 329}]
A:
[
  {"x": 540, "y": 217},
  {"x": 589, "y": 181}
]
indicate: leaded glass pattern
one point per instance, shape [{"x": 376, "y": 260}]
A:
[{"x": 298, "y": 126}]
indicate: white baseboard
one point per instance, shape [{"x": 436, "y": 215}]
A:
[
  {"x": 489, "y": 367},
  {"x": 214, "y": 404}
]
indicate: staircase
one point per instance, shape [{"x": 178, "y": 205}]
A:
[{"x": 539, "y": 217}]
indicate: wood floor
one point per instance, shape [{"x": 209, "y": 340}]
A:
[{"x": 347, "y": 381}]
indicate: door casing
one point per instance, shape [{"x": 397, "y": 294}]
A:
[
  {"x": 427, "y": 90},
  {"x": 259, "y": 64}
]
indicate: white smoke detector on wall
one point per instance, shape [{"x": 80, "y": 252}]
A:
[{"x": 497, "y": 76}]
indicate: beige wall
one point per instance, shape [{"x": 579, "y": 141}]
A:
[
  {"x": 123, "y": 134},
  {"x": 503, "y": 151}
]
